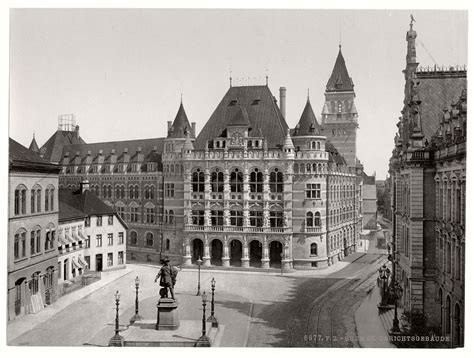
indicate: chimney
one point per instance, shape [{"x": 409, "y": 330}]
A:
[
  {"x": 283, "y": 101},
  {"x": 76, "y": 132},
  {"x": 84, "y": 185},
  {"x": 169, "y": 126},
  {"x": 193, "y": 126}
]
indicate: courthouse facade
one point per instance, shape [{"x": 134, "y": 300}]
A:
[
  {"x": 247, "y": 191},
  {"x": 428, "y": 169}
]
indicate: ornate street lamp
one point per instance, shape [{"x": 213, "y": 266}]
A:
[
  {"x": 199, "y": 263},
  {"x": 117, "y": 339},
  {"x": 213, "y": 318},
  {"x": 136, "y": 317},
  {"x": 204, "y": 340},
  {"x": 397, "y": 293}
]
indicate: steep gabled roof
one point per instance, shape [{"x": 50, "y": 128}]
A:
[
  {"x": 53, "y": 148},
  {"x": 180, "y": 125},
  {"x": 308, "y": 124},
  {"x": 33, "y": 145},
  {"x": 263, "y": 113},
  {"x": 340, "y": 79},
  {"x": 334, "y": 155},
  {"x": 437, "y": 90},
  {"x": 76, "y": 203},
  {"x": 21, "y": 158}
]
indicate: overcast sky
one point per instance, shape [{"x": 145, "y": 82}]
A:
[{"x": 122, "y": 72}]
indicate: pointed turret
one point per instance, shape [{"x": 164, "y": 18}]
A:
[
  {"x": 180, "y": 125},
  {"x": 33, "y": 145},
  {"x": 308, "y": 124},
  {"x": 340, "y": 79}
]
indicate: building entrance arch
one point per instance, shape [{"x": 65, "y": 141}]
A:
[
  {"x": 198, "y": 250},
  {"x": 276, "y": 253},
  {"x": 235, "y": 253},
  {"x": 216, "y": 252},
  {"x": 255, "y": 253}
]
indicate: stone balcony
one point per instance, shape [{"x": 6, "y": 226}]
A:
[{"x": 243, "y": 229}]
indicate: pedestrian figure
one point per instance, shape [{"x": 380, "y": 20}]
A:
[{"x": 167, "y": 275}]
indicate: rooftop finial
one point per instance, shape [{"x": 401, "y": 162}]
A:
[
  {"x": 308, "y": 95},
  {"x": 230, "y": 76},
  {"x": 412, "y": 20},
  {"x": 181, "y": 98}
]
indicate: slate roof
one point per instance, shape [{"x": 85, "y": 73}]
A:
[
  {"x": 263, "y": 114},
  {"x": 33, "y": 145},
  {"x": 21, "y": 158},
  {"x": 52, "y": 149},
  {"x": 180, "y": 125},
  {"x": 147, "y": 147},
  {"x": 334, "y": 155},
  {"x": 340, "y": 79},
  {"x": 437, "y": 90},
  {"x": 75, "y": 203},
  {"x": 240, "y": 119},
  {"x": 308, "y": 124}
]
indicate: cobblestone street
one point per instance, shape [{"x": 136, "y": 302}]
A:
[{"x": 255, "y": 309}]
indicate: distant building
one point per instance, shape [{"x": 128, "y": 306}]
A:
[
  {"x": 428, "y": 170},
  {"x": 101, "y": 234},
  {"x": 32, "y": 227},
  {"x": 369, "y": 202}
]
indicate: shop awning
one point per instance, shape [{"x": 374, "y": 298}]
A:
[
  {"x": 82, "y": 262},
  {"x": 81, "y": 235},
  {"x": 62, "y": 239},
  {"x": 74, "y": 264},
  {"x": 69, "y": 238},
  {"x": 76, "y": 236}
]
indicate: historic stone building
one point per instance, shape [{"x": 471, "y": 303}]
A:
[
  {"x": 428, "y": 196},
  {"x": 246, "y": 191},
  {"x": 32, "y": 227}
]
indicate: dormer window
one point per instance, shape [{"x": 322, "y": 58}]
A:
[
  {"x": 255, "y": 102},
  {"x": 233, "y": 102}
]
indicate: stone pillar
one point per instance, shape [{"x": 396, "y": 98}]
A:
[
  {"x": 207, "y": 197},
  {"x": 187, "y": 251},
  {"x": 265, "y": 254},
  {"x": 226, "y": 197},
  {"x": 207, "y": 257},
  {"x": 245, "y": 254},
  {"x": 286, "y": 262},
  {"x": 225, "y": 257}
]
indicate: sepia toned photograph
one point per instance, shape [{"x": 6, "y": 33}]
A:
[{"x": 236, "y": 178}]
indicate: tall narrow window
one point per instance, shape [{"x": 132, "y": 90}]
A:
[
  {"x": 276, "y": 181},
  {"x": 217, "y": 181},
  {"x": 217, "y": 217},
  {"x": 33, "y": 201},
  {"x": 256, "y": 218},
  {"x": 198, "y": 217},
  {"x": 256, "y": 181},
  {"x": 46, "y": 200},
  {"x": 314, "y": 249},
  {"x": 198, "y": 181},
  {"x": 317, "y": 219},
  {"x": 236, "y": 218},
  {"x": 236, "y": 181},
  {"x": 276, "y": 218},
  {"x": 309, "y": 219}
]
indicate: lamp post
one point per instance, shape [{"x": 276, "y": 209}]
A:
[
  {"x": 136, "y": 317},
  {"x": 204, "y": 340},
  {"x": 384, "y": 272},
  {"x": 199, "y": 263},
  {"x": 213, "y": 318},
  {"x": 397, "y": 292},
  {"x": 117, "y": 339}
]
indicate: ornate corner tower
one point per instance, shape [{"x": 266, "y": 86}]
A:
[{"x": 339, "y": 114}]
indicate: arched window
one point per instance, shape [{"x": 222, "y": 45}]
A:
[
  {"x": 217, "y": 181},
  {"x": 35, "y": 241},
  {"x": 34, "y": 283},
  {"x": 151, "y": 192},
  {"x": 19, "y": 248},
  {"x": 117, "y": 192},
  {"x": 317, "y": 219},
  {"x": 319, "y": 145},
  {"x": 276, "y": 181},
  {"x": 256, "y": 181},
  {"x": 236, "y": 181},
  {"x": 314, "y": 249},
  {"x": 313, "y": 145},
  {"x": 314, "y": 168},
  {"x": 167, "y": 244},
  {"x": 295, "y": 168},
  {"x": 149, "y": 239},
  {"x": 20, "y": 200},
  {"x": 309, "y": 219},
  {"x": 308, "y": 168},
  {"x": 302, "y": 168},
  {"x": 109, "y": 191},
  {"x": 198, "y": 181},
  {"x": 131, "y": 192},
  {"x": 448, "y": 315},
  {"x": 136, "y": 189},
  {"x": 122, "y": 192},
  {"x": 35, "y": 199},
  {"x": 171, "y": 217},
  {"x": 133, "y": 238}
]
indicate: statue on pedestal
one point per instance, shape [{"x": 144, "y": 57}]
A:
[{"x": 167, "y": 275}]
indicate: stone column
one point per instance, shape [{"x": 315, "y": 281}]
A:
[
  {"x": 245, "y": 254},
  {"x": 207, "y": 197},
  {"x": 246, "y": 187},
  {"x": 226, "y": 197},
  {"x": 265, "y": 254},
  {"x": 225, "y": 257},
  {"x": 187, "y": 251},
  {"x": 207, "y": 257},
  {"x": 286, "y": 262}
]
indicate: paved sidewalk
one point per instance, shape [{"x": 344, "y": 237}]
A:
[
  {"x": 25, "y": 323},
  {"x": 370, "y": 329}
]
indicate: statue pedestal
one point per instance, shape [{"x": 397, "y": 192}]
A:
[{"x": 167, "y": 315}]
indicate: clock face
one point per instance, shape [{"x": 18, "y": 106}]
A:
[{"x": 237, "y": 139}]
